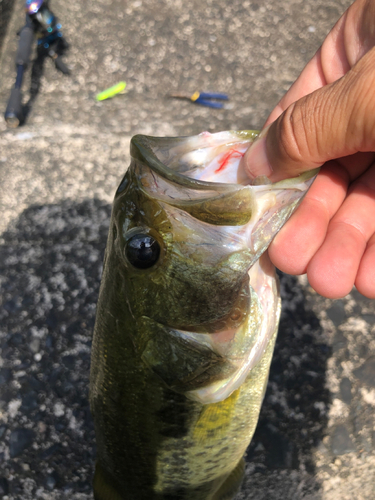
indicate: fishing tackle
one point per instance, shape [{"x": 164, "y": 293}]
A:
[
  {"x": 41, "y": 24},
  {"x": 111, "y": 91},
  {"x": 203, "y": 98}
]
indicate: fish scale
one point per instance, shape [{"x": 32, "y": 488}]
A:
[{"x": 186, "y": 320}]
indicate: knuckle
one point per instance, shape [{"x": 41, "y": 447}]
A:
[{"x": 295, "y": 133}]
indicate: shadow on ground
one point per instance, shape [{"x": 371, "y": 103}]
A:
[{"x": 50, "y": 266}]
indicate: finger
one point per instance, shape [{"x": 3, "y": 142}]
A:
[
  {"x": 365, "y": 280},
  {"x": 354, "y": 165},
  {"x": 334, "y": 121},
  {"x": 302, "y": 236},
  {"x": 333, "y": 269}
]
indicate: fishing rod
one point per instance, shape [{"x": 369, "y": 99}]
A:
[
  {"x": 42, "y": 24},
  {"x": 14, "y": 114}
]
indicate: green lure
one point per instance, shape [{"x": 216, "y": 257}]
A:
[{"x": 111, "y": 91}]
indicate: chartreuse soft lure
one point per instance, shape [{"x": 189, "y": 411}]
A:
[
  {"x": 186, "y": 319},
  {"x": 111, "y": 91}
]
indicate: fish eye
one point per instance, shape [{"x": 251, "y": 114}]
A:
[{"x": 142, "y": 251}]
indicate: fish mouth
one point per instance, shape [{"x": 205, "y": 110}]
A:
[
  {"x": 182, "y": 160},
  {"x": 186, "y": 178},
  {"x": 175, "y": 165},
  {"x": 183, "y": 175}
]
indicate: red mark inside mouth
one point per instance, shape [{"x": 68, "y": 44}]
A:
[{"x": 228, "y": 156}]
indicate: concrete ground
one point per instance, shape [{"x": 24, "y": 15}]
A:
[{"x": 58, "y": 173}]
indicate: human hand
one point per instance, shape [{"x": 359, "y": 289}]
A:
[{"x": 328, "y": 118}]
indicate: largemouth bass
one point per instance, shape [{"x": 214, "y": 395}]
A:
[{"x": 187, "y": 318}]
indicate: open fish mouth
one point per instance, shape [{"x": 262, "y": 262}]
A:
[
  {"x": 208, "y": 306},
  {"x": 202, "y": 177}
]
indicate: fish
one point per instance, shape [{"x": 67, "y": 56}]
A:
[{"x": 186, "y": 319}]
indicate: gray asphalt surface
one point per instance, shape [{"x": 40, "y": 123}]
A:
[{"x": 58, "y": 173}]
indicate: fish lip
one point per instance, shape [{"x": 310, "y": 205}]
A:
[{"x": 141, "y": 148}]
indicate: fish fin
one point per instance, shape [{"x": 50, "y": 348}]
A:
[
  {"x": 232, "y": 484},
  {"x": 103, "y": 490},
  {"x": 215, "y": 418}
]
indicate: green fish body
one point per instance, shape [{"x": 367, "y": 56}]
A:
[{"x": 187, "y": 319}]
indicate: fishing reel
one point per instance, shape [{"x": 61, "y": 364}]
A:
[{"x": 40, "y": 15}]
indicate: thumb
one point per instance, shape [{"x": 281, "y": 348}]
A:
[{"x": 336, "y": 120}]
